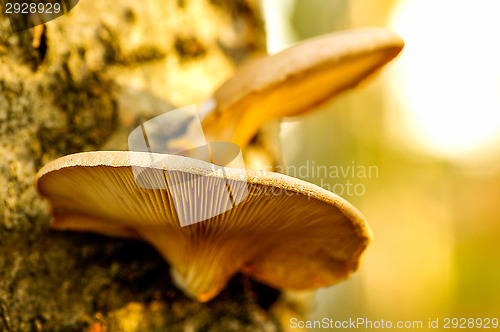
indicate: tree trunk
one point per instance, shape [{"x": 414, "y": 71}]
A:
[{"x": 82, "y": 82}]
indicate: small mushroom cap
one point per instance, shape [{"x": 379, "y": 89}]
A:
[
  {"x": 295, "y": 80},
  {"x": 286, "y": 232}
]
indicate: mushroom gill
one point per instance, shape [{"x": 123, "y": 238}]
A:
[{"x": 284, "y": 232}]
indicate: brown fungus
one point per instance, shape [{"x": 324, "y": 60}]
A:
[
  {"x": 210, "y": 222},
  {"x": 295, "y": 80},
  {"x": 285, "y": 232}
]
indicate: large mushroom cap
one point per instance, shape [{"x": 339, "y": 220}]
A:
[
  {"x": 285, "y": 232},
  {"x": 293, "y": 81}
]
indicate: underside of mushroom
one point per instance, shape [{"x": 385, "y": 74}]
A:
[{"x": 286, "y": 233}]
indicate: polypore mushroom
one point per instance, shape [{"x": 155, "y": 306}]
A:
[
  {"x": 295, "y": 80},
  {"x": 285, "y": 232}
]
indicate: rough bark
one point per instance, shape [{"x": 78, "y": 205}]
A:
[{"x": 81, "y": 83}]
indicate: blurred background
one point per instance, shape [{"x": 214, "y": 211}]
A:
[{"x": 430, "y": 123}]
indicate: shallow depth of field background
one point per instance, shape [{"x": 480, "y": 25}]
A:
[{"x": 430, "y": 122}]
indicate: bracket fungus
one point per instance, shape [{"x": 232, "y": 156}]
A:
[
  {"x": 286, "y": 232},
  {"x": 295, "y": 80},
  {"x": 279, "y": 230}
]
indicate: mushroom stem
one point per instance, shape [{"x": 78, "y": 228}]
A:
[{"x": 201, "y": 270}]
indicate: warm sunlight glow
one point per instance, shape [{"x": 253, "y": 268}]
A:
[
  {"x": 279, "y": 33},
  {"x": 448, "y": 77}
]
